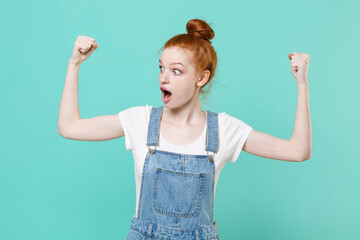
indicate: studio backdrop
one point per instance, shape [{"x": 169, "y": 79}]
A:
[{"x": 61, "y": 189}]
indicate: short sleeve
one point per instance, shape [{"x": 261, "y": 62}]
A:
[
  {"x": 235, "y": 132},
  {"x": 131, "y": 120}
]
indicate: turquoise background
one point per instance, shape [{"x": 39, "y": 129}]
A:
[{"x": 56, "y": 188}]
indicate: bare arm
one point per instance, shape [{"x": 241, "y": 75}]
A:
[
  {"x": 70, "y": 124},
  {"x": 298, "y": 148}
]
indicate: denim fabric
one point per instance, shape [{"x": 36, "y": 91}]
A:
[{"x": 177, "y": 190}]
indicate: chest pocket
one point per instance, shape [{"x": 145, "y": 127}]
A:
[{"x": 178, "y": 193}]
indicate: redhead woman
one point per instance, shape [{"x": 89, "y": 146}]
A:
[{"x": 179, "y": 149}]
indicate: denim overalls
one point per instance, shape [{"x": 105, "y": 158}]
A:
[{"x": 177, "y": 190}]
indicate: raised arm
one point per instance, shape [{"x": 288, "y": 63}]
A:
[
  {"x": 70, "y": 124},
  {"x": 298, "y": 148}
]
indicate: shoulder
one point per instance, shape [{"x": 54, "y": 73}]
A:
[
  {"x": 228, "y": 122},
  {"x": 136, "y": 110},
  {"x": 134, "y": 120},
  {"x": 226, "y": 118},
  {"x": 135, "y": 115},
  {"x": 140, "y": 108},
  {"x": 233, "y": 133}
]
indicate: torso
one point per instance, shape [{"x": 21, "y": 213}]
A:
[{"x": 184, "y": 135}]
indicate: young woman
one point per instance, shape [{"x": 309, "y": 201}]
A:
[{"x": 179, "y": 149}]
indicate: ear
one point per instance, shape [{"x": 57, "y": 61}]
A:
[{"x": 203, "y": 79}]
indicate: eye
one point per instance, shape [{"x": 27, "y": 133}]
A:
[{"x": 178, "y": 71}]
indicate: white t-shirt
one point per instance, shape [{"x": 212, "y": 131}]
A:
[{"x": 232, "y": 136}]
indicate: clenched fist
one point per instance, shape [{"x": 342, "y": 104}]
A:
[
  {"x": 299, "y": 63},
  {"x": 84, "y": 46}
]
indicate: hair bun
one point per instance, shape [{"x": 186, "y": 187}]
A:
[{"x": 200, "y": 28}]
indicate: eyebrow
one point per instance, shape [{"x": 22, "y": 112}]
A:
[{"x": 173, "y": 63}]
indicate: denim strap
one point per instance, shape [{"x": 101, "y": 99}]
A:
[
  {"x": 212, "y": 132},
  {"x": 154, "y": 126}
]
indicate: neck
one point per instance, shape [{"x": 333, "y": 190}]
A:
[{"x": 188, "y": 113}]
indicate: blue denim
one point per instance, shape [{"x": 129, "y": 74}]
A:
[{"x": 177, "y": 190}]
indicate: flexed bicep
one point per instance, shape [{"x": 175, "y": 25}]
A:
[{"x": 267, "y": 146}]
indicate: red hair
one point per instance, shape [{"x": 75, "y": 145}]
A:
[{"x": 197, "y": 41}]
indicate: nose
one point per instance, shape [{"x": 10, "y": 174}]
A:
[{"x": 164, "y": 78}]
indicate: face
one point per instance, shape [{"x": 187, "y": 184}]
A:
[{"x": 179, "y": 76}]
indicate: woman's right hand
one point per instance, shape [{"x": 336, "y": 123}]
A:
[{"x": 84, "y": 46}]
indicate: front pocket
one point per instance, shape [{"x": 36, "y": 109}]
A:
[{"x": 178, "y": 193}]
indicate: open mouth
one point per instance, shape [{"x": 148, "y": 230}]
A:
[{"x": 166, "y": 95}]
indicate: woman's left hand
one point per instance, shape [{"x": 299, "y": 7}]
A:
[{"x": 299, "y": 63}]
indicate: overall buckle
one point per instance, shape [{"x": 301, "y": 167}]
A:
[
  {"x": 151, "y": 151},
  {"x": 210, "y": 157}
]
